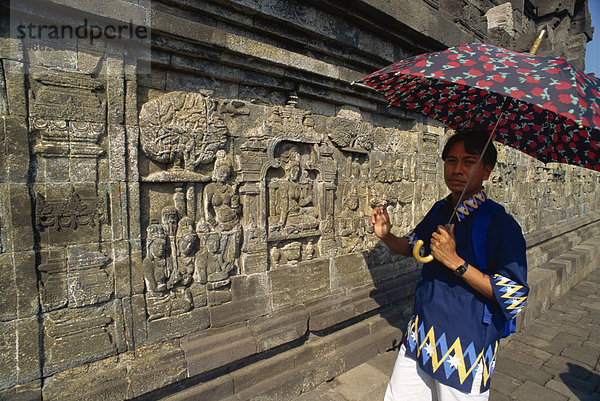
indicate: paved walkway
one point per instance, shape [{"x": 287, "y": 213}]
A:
[{"x": 555, "y": 358}]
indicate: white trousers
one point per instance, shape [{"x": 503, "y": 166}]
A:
[{"x": 410, "y": 383}]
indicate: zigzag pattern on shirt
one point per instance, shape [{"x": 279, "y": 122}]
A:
[
  {"x": 471, "y": 204},
  {"x": 453, "y": 358},
  {"x": 513, "y": 297}
]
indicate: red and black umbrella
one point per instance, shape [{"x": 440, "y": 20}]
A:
[{"x": 541, "y": 105}]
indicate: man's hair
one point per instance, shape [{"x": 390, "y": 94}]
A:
[{"x": 474, "y": 144}]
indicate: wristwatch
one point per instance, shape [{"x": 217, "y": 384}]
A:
[{"x": 461, "y": 269}]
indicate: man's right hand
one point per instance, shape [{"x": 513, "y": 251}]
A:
[{"x": 380, "y": 221}]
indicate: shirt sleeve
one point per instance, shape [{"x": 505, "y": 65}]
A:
[{"x": 507, "y": 263}]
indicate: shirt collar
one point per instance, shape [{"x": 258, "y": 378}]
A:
[{"x": 469, "y": 205}]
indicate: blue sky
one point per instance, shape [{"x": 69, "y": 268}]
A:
[{"x": 592, "y": 54}]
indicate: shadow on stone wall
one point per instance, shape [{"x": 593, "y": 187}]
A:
[{"x": 394, "y": 280}]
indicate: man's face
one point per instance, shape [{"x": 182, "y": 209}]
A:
[{"x": 459, "y": 166}]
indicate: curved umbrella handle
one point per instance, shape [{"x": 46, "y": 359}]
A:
[{"x": 417, "y": 253}]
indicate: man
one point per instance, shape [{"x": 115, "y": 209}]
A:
[{"x": 469, "y": 293}]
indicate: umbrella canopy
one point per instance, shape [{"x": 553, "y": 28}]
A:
[{"x": 550, "y": 109}]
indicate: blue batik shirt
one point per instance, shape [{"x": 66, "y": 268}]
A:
[{"x": 447, "y": 334}]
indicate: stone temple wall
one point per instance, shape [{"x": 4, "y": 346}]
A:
[{"x": 207, "y": 222}]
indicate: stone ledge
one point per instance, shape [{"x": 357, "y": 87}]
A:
[
  {"x": 554, "y": 278},
  {"x": 302, "y": 368}
]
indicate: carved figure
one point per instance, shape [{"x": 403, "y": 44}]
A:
[
  {"x": 293, "y": 203},
  {"x": 350, "y": 224},
  {"x": 187, "y": 243},
  {"x": 222, "y": 209},
  {"x": 155, "y": 265}
]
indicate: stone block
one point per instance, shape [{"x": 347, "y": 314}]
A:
[
  {"x": 504, "y": 383},
  {"x": 179, "y": 325},
  {"x": 352, "y": 334},
  {"x": 76, "y": 336},
  {"x": 524, "y": 372},
  {"x": 314, "y": 348},
  {"x": 279, "y": 327},
  {"x": 282, "y": 386},
  {"x": 15, "y": 87},
  {"x": 117, "y": 152},
  {"x": 8, "y": 354},
  {"x": 67, "y": 96},
  {"x": 139, "y": 319},
  {"x": 534, "y": 391},
  {"x": 26, "y": 284},
  {"x": 296, "y": 284},
  {"x": 133, "y": 133},
  {"x": 321, "y": 370},
  {"x": 121, "y": 257},
  {"x": 359, "y": 352},
  {"x": 188, "y": 29},
  {"x": 155, "y": 367},
  {"x": 8, "y": 287},
  {"x": 217, "y": 347},
  {"x": 68, "y": 214},
  {"x": 18, "y": 218},
  {"x": 501, "y": 18},
  {"x": 3, "y": 152},
  {"x": 218, "y": 389},
  {"x": 31, "y": 391},
  {"x": 253, "y": 374},
  {"x": 329, "y": 313},
  {"x": 238, "y": 310},
  {"x": 115, "y": 93},
  {"x": 349, "y": 271},
  {"x": 102, "y": 380},
  {"x": 28, "y": 346}
]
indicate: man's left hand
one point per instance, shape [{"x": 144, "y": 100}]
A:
[{"x": 443, "y": 247}]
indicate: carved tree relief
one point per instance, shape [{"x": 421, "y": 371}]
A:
[{"x": 182, "y": 130}]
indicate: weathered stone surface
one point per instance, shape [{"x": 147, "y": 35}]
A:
[
  {"x": 217, "y": 347},
  {"x": 8, "y": 286},
  {"x": 148, "y": 371},
  {"x": 102, "y": 380},
  {"x": 31, "y": 391},
  {"x": 76, "y": 336},
  {"x": 8, "y": 354},
  {"x": 292, "y": 284},
  {"x": 278, "y": 328},
  {"x": 28, "y": 343},
  {"x": 349, "y": 271}
]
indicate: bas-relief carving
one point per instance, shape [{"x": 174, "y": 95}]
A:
[
  {"x": 79, "y": 277},
  {"x": 70, "y": 211},
  {"x": 181, "y": 131},
  {"x": 193, "y": 239},
  {"x": 71, "y": 139},
  {"x": 287, "y": 197}
]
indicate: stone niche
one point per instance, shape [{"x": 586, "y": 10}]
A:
[{"x": 231, "y": 191}]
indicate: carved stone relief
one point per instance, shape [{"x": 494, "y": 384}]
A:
[
  {"x": 67, "y": 150},
  {"x": 193, "y": 237},
  {"x": 79, "y": 277},
  {"x": 181, "y": 131},
  {"x": 70, "y": 211}
]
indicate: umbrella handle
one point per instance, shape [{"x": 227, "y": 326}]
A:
[{"x": 417, "y": 253}]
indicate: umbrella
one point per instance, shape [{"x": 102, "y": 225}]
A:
[
  {"x": 551, "y": 109},
  {"x": 540, "y": 105}
]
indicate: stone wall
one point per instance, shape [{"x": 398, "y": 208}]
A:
[{"x": 208, "y": 222}]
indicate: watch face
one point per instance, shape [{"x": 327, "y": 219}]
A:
[{"x": 461, "y": 270}]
